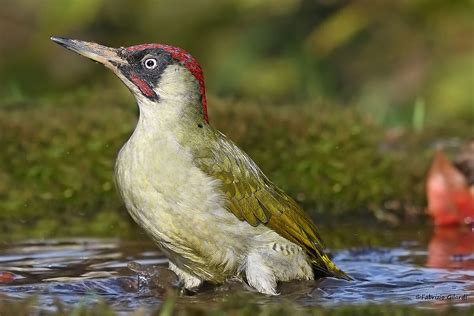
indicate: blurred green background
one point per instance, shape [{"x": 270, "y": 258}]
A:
[{"x": 340, "y": 102}]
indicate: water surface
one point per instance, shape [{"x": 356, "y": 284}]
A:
[{"x": 415, "y": 270}]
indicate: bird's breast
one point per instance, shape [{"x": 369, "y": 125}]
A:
[
  {"x": 152, "y": 173},
  {"x": 166, "y": 193}
]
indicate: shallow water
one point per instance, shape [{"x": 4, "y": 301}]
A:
[{"x": 413, "y": 272}]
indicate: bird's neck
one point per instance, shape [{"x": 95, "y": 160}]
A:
[
  {"x": 168, "y": 117},
  {"x": 179, "y": 101}
]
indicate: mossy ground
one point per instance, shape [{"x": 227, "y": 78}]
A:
[
  {"x": 58, "y": 156},
  {"x": 235, "y": 305}
]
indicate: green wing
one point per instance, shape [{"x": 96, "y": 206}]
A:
[{"x": 253, "y": 198}]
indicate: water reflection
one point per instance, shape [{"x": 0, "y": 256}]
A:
[{"x": 451, "y": 247}]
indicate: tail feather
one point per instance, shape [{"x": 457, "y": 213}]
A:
[{"x": 327, "y": 268}]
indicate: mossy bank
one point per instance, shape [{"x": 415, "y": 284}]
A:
[{"x": 57, "y": 158}]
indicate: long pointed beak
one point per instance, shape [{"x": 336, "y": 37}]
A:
[{"x": 105, "y": 55}]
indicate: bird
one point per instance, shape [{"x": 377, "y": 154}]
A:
[{"x": 202, "y": 200}]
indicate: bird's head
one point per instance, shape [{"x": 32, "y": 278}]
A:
[{"x": 163, "y": 78}]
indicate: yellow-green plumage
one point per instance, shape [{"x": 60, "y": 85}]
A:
[
  {"x": 253, "y": 198},
  {"x": 204, "y": 202}
]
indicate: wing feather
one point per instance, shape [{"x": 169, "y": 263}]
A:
[{"x": 254, "y": 198}]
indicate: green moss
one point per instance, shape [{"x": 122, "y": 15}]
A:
[
  {"x": 234, "y": 306},
  {"x": 58, "y": 156},
  {"x": 335, "y": 161},
  {"x": 241, "y": 305}
]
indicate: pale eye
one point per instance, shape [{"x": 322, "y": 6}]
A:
[{"x": 150, "y": 63}]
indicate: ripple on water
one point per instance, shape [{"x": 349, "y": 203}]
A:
[{"x": 89, "y": 270}]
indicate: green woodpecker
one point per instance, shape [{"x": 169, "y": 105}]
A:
[{"x": 202, "y": 200}]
